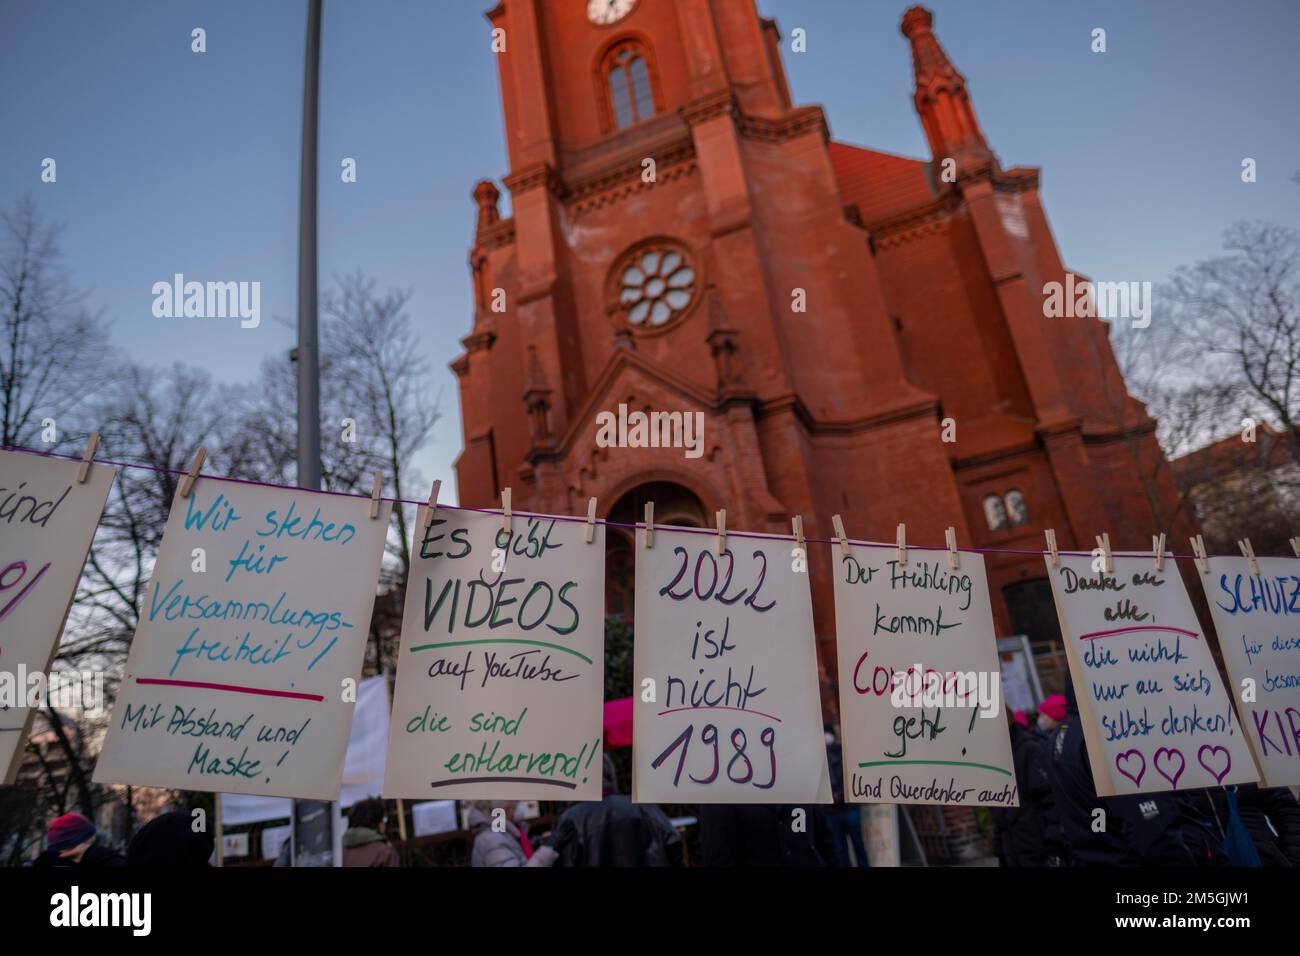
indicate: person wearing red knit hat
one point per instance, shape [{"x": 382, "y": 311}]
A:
[
  {"x": 72, "y": 841},
  {"x": 1051, "y": 712}
]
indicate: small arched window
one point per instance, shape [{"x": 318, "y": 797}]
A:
[
  {"x": 1017, "y": 510},
  {"x": 626, "y": 73},
  {"x": 995, "y": 513}
]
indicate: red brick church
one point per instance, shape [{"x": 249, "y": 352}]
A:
[{"x": 834, "y": 312}]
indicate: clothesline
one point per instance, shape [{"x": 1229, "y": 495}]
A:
[{"x": 582, "y": 520}]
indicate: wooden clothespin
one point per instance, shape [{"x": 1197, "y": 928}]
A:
[
  {"x": 954, "y": 561},
  {"x": 187, "y": 483},
  {"x": 1295, "y": 546},
  {"x": 722, "y": 529},
  {"x": 505, "y": 510},
  {"x": 92, "y": 443},
  {"x": 591, "y": 520},
  {"x": 1248, "y": 552},
  {"x": 1198, "y": 549},
  {"x": 1107, "y": 560},
  {"x": 649, "y": 524},
  {"x": 430, "y": 511},
  {"x": 796, "y": 524},
  {"x": 1050, "y": 535},
  {"x": 376, "y": 487},
  {"x": 840, "y": 536},
  {"x": 902, "y": 544},
  {"x": 1158, "y": 546}
]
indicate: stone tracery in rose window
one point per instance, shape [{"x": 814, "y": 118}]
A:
[{"x": 656, "y": 283}]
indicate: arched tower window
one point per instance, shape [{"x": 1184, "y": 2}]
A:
[
  {"x": 1017, "y": 510},
  {"x": 626, "y": 78},
  {"x": 995, "y": 513}
]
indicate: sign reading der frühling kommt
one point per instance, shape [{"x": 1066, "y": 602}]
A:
[
  {"x": 727, "y": 704},
  {"x": 1257, "y": 617},
  {"x": 921, "y": 710},
  {"x": 1155, "y": 714},
  {"x": 47, "y": 521},
  {"x": 500, "y": 675},
  {"x": 252, "y": 634}
]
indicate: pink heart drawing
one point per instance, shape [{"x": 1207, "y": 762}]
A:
[
  {"x": 1172, "y": 755},
  {"x": 1122, "y": 759},
  {"x": 1218, "y": 775}
]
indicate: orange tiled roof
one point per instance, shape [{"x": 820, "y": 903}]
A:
[{"x": 880, "y": 184}]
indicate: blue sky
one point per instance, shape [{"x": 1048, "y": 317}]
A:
[{"x": 171, "y": 161}]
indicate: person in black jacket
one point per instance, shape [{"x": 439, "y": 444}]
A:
[
  {"x": 765, "y": 834},
  {"x": 170, "y": 840},
  {"x": 1271, "y": 815},
  {"x": 615, "y": 831},
  {"x": 1154, "y": 829},
  {"x": 1030, "y": 834}
]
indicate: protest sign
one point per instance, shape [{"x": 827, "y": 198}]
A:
[
  {"x": 1257, "y": 617},
  {"x": 725, "y": 674},
  {"x": 500, "y": 674},
  {"x": 1155, "y": 714},
  {"x": 243, "y": 673},
  {"x": 921, "y": 711},
  {"x": 47, "y": 521}
]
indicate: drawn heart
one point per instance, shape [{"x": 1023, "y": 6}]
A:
[
  {"x": 1125, "y": 758},
  {"x": 1218, "y": 775},
  {"x": 1169, "y": 755}
]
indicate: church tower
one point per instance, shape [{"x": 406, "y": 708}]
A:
[{"x": 862, "y": 333}]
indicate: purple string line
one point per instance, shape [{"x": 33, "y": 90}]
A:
[{"x": 611, "y": 524}]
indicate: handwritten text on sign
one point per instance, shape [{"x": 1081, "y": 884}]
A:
[
  {"x": 255, "y": 617},
  {"x": 1155, "y": 714},
  {"x": 920, "y": 704},
  {"x": 728, "y": 642},
  {"x": 1257, "y": 618},
  {"x": 501, "y": 671},
  {"x": 47, "y": 521}
]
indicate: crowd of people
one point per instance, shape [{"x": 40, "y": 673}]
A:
[{"x": 1060, "y": 821}]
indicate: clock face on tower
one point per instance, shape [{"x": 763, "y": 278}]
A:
[{"x": 605, "y": 12}]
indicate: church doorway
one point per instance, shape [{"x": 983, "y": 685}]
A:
[{"x": 674, "y": 505}]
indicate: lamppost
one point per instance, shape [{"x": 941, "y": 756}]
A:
[{"x": 313, "y": 832}]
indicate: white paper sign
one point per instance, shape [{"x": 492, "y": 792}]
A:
[
  {"x": 234, "y": 844},
  {"x": 273, "y": 839},
  {"x": 1155, "y": 714},
  {"x": 243, "y": 672},
  {"x": 434, "y": 816},
  {"x": 47, "y": 521},
  {"x": 501, "y": 671},
  {"x": 727, "y": 640},
  {"x": 921, "y": 711},
  {"x": 1257, "y": 618}
]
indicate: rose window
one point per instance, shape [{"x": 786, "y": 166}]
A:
[{"x": 656, "y": 285}]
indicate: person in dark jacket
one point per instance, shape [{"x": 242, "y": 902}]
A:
[
  {"x": 1271, "y": 816},
  {"x": 843, "y": 818},
  {"x": 364, "y": 843},
  {"x": 615, "y": 831},
  {"x": 170, "y": 840},
  {"x": 72, "y": 841},
  {"x": 1154, "y": 829},
  {"x": 762, "y": 834},
  {"x": 1030, "y": 834}
]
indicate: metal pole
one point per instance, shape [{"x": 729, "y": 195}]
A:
[
  {"x": 307, "y": 352},
  {"x": 313, "y": 821}
]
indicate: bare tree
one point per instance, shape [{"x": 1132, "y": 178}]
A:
[
  {"x": 156, "y": 418},
  {"x": 1237, "y": 318},
  {"x": 52, "y": 349},
  {"x": 381, "y": 376}
]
